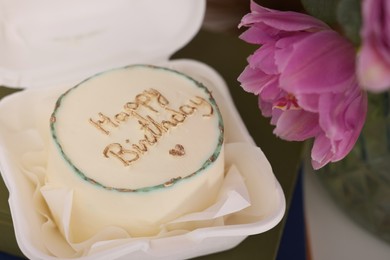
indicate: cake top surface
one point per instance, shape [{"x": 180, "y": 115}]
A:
[{"x": 137, "y": 128}]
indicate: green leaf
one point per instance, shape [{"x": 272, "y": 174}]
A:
[
  {"x": 325, "y": 10},
  {"x": 350, "y": 20}
]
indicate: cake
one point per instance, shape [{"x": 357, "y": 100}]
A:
[{"x": 139, "y": 147}]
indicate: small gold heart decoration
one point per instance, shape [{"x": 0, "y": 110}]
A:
[{"x": 178, "y": 150}]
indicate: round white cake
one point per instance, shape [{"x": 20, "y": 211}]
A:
[{"x": 139, "y": 146}]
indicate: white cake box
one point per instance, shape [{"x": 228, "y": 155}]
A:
[{"x": 48, "y": 46}]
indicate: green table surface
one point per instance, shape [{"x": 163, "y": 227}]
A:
[{"x": 227, "y": 55}]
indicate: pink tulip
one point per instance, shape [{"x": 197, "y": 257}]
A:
[
  {"x": 374, "y": 59},
  {"x": 304, "y": 75}
]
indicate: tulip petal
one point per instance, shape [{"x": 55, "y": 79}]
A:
[
  {"x": 342, "y": 120},
  {"x": 276, "y": 114},
  {"x": 308, "y": 102},
  {"x": 321, "y": 152},
  {"x": 386, "y": 31},
  {"x": 322, "y": 62},
  {"x": 341, "y": 114},
  {"x": 265, "y": 108},
  {"x": 331, "y": 118},
  {"x": 297, "y": 125},
  {"x": 263, "y": 59},
  {"x": 373, "y": 67},
  {"x": 259, "y": 35},
  {"x": 354, "y": 118},
  {"x": 375, "y": 29},
  {"x": 355, "y": 114},
  {"x": 271, "y": 91},
  {"x": 252, "y": 79},
  {"x": 282, "y": 20},
  {"x": 285, "y": 49},
  {"x": 373, "y": 71}
]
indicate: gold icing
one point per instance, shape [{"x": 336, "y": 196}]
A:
[
  {"x": 104, "y": 120},
  {"x": 203, "y": 101},
  {"x": 171, "y": 182},
  {"x": 124, "y": 155},
  {"x": 121, "y": 117},
  {"x": 177, "y": 117},
  {"x": 148, "y": 124},
  {"x": 150, "y": 100},
  {"x": 187, "y": 109},
  {"x": 161, "y": 100},
  {"x": 144, "y": 99},
  {"x": 178, "y": 150},
  {"x": 142, "y": 147}
]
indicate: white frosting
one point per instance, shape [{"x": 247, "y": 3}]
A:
[{"x": 132, "y": 103}]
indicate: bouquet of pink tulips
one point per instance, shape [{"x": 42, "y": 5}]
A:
[{"x": 312, "y": 80}]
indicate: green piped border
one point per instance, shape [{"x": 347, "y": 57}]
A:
[{"x": 168, "y": 183}]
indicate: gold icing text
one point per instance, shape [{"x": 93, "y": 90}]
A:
[{"x": 144, "y": 109}]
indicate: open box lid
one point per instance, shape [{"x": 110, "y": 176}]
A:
[{"x": 48, "y": 42}]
